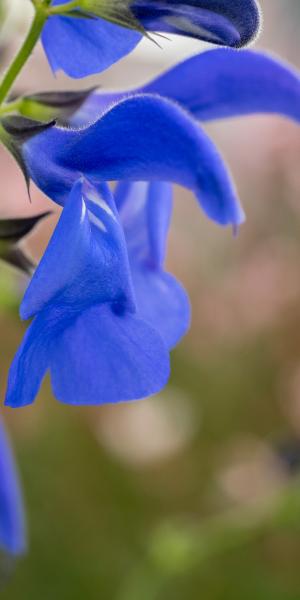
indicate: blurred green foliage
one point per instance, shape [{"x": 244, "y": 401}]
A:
[{"x": 102, "y": 529}]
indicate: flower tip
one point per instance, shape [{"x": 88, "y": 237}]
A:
[{"x": 257, "y": 26}]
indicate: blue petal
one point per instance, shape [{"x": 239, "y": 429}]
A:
[
  {"x": 232, "y": 23},
  {"x": 82, "y": 47},
  {"x": 225, "y": 83},
  {"x": 30, "y": 362},
  {"x": 86, "y": 258},
  {"x": 95, "y": 357},
  {"x": 216, "y": 84},
  {"x": 104, "y": 357},
  {"x": 163, "y": 302},
  {"x": 12, "y": 521},
  {"x": 145, "y": 212},
  {"x": 160, "y": 205},
  {"x": 141, "y": 138},
  {"x": 64, "y": 258}
]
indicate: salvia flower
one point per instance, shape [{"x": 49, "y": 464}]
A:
[
  {"x": 142, "y": 135},
  {"x": 86, "y": 330},
  {"x": 12, "y": 522},
  {"x": 145, "y": 212},
  {"x": 84, "y": 46}
]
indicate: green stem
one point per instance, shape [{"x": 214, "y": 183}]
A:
[
  {"x": 63, "y": 8},
  {"x": 24, "y": 52},
  {"x": 11, "y": 107}
]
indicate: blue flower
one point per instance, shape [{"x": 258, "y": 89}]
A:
[
  {"x": 12, "y": 522},
  {"x": 145, "y": 212},
  {"x": 142, "y": 138},
  {"x": 141, "y": 135},
  {"x": 86, "y": 330},
  {"x": 81, "y": 47}
]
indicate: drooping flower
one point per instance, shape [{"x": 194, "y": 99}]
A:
[
  {"x": 142, "y": 138},
  {"x": 218, "y": 83},
  {"x": 86, "y": 330},
  {"x": 12, "y": 522},
  {"x": 145, "y": 212},
  {"x": 83, "y": 46}
]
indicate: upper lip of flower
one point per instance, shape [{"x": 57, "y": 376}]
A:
[
  {"x": 223, "y": 22},
  {"x": 156, "y": 139}
]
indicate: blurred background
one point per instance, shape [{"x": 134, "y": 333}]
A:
[{"x": 193, "y": 493}]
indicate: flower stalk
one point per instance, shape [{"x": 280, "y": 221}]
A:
[
  {"x": 13, "y": 71},
  {"x": 61, "y": 9}
]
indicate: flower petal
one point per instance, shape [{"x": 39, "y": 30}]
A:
[
  {"x": 141, "y": 138},
  {"x": 12, "y": 521},
  {"x": 216, "y": 21},
  {"x": 30, "y": 363},
  {"x": 87, "y": 246},
  {"x": 145, "y": 212},
  {"x": 225, "y": 83},
  {"x": 163, "y": 302},
  {"x": 64, "y": 258},
  {"x": 82, "y": 47},
  {"x": 214, "y": 85},
  {"x": 104, "y": 357}
]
